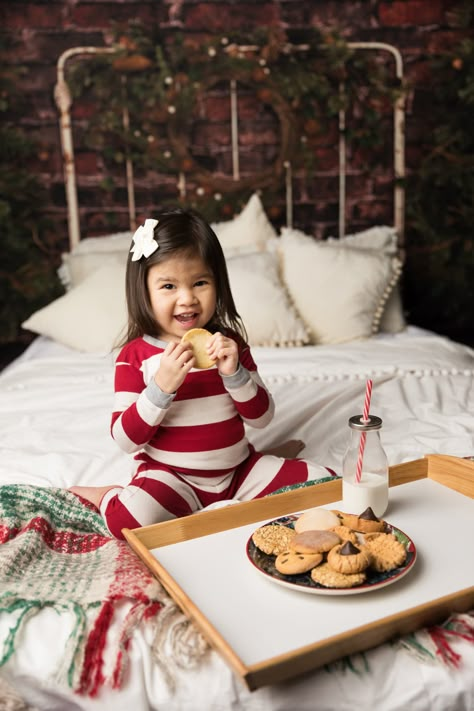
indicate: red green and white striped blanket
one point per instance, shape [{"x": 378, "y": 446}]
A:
[{"x": 56, "y": 551}]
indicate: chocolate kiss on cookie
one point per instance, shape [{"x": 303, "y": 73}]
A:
[
  {"x": 368, "y": 515},
  {"x": 368, "y": 522},
  {"x": 348, "y": 549}
]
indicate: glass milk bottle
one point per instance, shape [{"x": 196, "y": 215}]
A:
[{"x": 371, "y": 489}]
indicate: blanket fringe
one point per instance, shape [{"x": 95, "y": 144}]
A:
[
  {"x": 73, "y": 651},
  {"x": 136, "y": 614},
  {"x": 355, "y": 663},
  {"x": 431, "y": 644},
  {"x": 57, "y": 553},
  {"x": 435, "y": 643},
  {"x": 26, "y": 609},
  {"x": 92, "y": 677},
  {"x": 177, "y": 643}
]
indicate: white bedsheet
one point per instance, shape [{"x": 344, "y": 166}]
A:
[{"x": 55, "y": 407}]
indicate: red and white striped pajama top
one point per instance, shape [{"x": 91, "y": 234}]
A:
[{"x": 191, "y": 445}]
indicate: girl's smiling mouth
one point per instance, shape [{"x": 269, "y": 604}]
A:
[{"x": 187, "y": 317}]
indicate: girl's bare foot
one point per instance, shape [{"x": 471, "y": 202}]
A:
[
  {"x": 288, "y": 450},
  {"x": 93, "y": 494}
]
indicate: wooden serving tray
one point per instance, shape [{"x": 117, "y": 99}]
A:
[{"x": 268, "y": 633}]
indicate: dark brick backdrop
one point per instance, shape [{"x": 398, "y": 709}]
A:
[{"x": 43, "y": 30}]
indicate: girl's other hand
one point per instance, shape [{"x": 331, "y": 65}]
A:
[
  {"x": 176, "y": 362},
  {"x": 224, "y": 350}
]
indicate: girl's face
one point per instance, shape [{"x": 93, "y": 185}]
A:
[{"x": 182, "y": 294}]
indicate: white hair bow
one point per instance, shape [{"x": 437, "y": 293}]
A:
[{"x": 144, "y": 245}]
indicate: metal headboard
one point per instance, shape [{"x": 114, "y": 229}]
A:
[{"x": 63, "y": 101}]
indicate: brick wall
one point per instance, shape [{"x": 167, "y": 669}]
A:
[{"x": 43, "y": 30}]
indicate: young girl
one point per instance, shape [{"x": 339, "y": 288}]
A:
[{"x": 186, "y": 426}]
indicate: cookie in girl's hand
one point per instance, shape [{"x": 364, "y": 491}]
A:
[{"x": 199, "y": 338}]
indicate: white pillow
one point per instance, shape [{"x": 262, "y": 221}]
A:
[
  {"x": 75, "y": 268},
  {"x": 382, "y": 239},
  {"x": 91, "y": 254},
  {"x": 340, "y": 293},
  {"x": 90, "y": 317},
  {"x": 117, "y": 242},
  {"x": 247, "y": 232},
  {"x": 262, "y": 301}
]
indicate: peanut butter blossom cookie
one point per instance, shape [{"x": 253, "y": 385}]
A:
[
  {"x": 366, "y": 522},
  {"x": 348, "y": 558}
]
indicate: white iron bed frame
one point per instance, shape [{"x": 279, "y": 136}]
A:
[{"x": 63, "y": 100}]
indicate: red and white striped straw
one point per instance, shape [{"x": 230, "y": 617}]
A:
[
  {"x": 363, "y": 435},
  {"x": 368, "y": 395}
]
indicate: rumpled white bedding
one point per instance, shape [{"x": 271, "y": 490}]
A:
[{"x": 55, "y": 407}]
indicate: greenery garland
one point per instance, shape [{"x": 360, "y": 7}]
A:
[{"x": 164, "y": 76}]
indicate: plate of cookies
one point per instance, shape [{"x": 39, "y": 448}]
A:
[{"x": 330, "y": 552}]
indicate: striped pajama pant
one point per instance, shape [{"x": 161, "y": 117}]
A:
[{"x": 159, "y": 493}]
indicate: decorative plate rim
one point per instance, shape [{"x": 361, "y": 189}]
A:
[{"x": 304, "y": 583}]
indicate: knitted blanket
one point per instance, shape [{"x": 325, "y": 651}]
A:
[{"x": 56, "y": 551}]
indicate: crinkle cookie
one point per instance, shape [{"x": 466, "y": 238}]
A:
[
  {"x": 314, "y": 541},
  {"x": 348, "y": 558},
  {"x": 291, "y": 563},
  {"x": 386, "y": 550},
  {"x": 329, "y": 578},
  {"x": 273, "y": 538}
]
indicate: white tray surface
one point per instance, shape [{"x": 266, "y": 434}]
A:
[{"x": 260, "y": 619}]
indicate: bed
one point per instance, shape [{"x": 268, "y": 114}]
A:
[{"x": 330, "y": 317}]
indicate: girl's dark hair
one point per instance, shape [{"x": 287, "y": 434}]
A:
[{"x": 183, "y": 232}]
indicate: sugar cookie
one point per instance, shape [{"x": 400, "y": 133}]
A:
[
  {"x": 316, "y": 519},
  {"x": 199, "y": 337}
]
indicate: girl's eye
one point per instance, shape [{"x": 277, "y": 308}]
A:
[
  {"x": 201, "y": 282},
  {"x": 168, "y": 286}
]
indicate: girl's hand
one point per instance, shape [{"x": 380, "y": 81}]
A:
[
  {"x": 224, "y": 350},
  {"x": 176, "y": 362}
]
